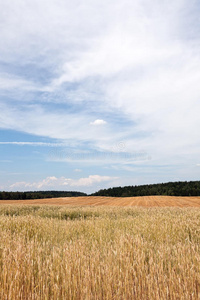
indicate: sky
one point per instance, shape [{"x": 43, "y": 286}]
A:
[{"x": 98, "y": 93}]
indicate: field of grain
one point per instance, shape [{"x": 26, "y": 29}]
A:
[
  {"x": 94, "y": 253},
  {"x": 145, "y": 201}
]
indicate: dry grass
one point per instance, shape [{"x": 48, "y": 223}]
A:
[
  {"x": 146, "y": 201},
  {"x": 49, "y": 252}
]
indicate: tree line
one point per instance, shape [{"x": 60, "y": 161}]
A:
[
  {"x": 38, "y": 195},
  {"x": 180, "y": 188}
]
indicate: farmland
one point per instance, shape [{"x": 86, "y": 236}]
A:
[
  {"x": 145, "y": 201},
  {"x": 85, "y": 252}
]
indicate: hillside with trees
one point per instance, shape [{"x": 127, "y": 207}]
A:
[
  {"x": 38, "y": 195},
  {"x": 184, "y": 188}
]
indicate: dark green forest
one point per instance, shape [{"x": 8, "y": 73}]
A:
[
  {"x": 181, "y": 188},
  {"x": 38, "y": 195}
]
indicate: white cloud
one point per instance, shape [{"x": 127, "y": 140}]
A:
[
  {"x": 54, "y": 182},
  {"x": 98, "y": 122}
]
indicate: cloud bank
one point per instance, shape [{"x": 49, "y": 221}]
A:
[{"x": 62, "y": 182}]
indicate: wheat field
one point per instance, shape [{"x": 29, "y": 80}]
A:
[
  {"x": 84, "y": 252},
  {"x": 145, "y": 201}
]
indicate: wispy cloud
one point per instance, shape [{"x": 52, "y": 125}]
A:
[
  {"x": 9, "y": 82},
  {"x": 33, "y": 144}
]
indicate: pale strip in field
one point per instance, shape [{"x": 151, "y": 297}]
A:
[{"x": 145, "y": 201}]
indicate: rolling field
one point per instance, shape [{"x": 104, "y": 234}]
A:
[
  {"x": 95, "y": 253},
  {"x": 145, "y": 201}
]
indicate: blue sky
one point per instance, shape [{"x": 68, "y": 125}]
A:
[{"x": 95, "y": 94}]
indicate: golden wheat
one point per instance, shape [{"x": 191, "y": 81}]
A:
[{"x": 49, "y": 252}]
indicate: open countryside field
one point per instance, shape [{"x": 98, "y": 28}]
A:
[
  {"x": 145, "y": 201},
  {"x": 95, "y": 253}
]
